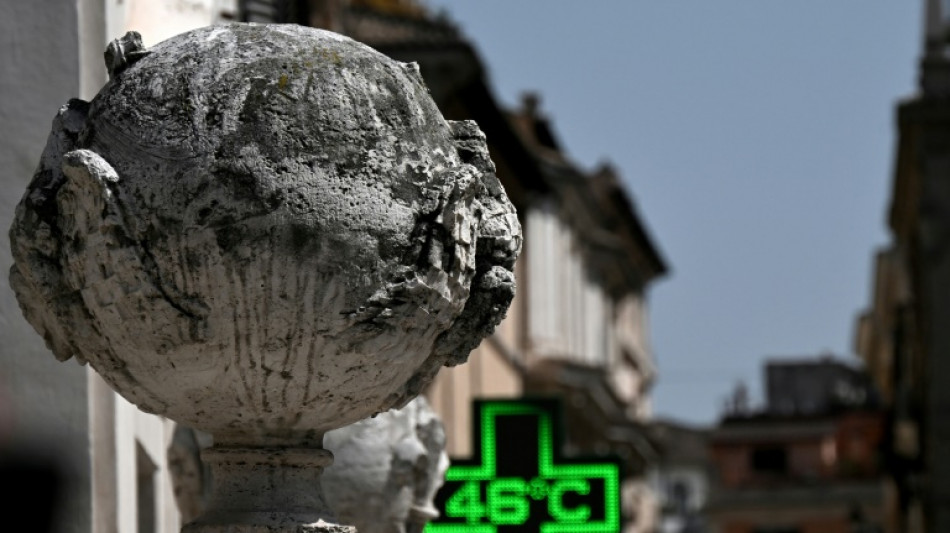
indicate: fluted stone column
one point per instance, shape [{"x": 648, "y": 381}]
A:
[{"x": 265, "y": 232}]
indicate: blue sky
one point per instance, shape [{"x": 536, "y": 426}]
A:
[{"x": 757, "y": 137}]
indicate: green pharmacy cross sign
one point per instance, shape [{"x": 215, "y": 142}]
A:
[{"x": 519, "y": 482}]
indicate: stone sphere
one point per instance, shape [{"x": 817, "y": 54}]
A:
[{"x": 263, "y": 231}]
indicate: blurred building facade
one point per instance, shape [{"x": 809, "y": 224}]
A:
[
  {"x": 903, "y": 337},
  {"x": 680, "y": 477},
  {"x": 112, "y": 462},
  {"x": 578, "y": 327},
  {"x": 808, "y": 462}
]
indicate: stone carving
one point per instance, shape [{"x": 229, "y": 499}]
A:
[
  {"x": 191, "y": 479},
  {"x": 387, "y": 470},
  {"x": 264, "y": 232}
]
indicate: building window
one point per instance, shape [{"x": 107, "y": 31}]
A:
[
  {"x": 147, "y": 511},
  {"x": 770, "y": 460}
]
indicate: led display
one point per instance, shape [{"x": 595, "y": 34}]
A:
[{"x": 518, "y": 481}]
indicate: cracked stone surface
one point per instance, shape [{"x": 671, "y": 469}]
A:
[{"x": 265, "y": 232}]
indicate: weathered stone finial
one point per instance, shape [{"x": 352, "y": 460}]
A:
[{"x": 264, "y": 232}]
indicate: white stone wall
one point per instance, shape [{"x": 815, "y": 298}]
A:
[
  {"x": 635, "y": 369},
  {"x": 543, "y": 272},
  {"x": 570, "y": 315},
  {"x": 569, "y": 312},
  {"x": 158, "y": 20},
  {"x": 44, "y": 411},
  {"x": 60, "y": 411}
]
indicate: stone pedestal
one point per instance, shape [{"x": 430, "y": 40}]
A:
[{"x": 267, "y": 490}]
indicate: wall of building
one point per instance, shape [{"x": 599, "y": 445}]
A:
[
  {"x": 44, "y": 413},
  {"x": 113, "y": 457},
  {"x": 757, "y": 464},
  {"x": 847, "y": 449},
  {"x": 487, "y": 374},
  {"x": 570, "y": 314},
  {"x": 902, "y": 336},
  {"x": 159, "y": 20},
  {"x": 802, "y": 474},
  {"x": 835, "y": 521}
]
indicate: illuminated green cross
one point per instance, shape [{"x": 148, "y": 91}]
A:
[{"x": 518, "y": 486}]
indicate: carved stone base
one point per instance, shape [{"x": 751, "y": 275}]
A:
[{"x": 267, "y": 490}]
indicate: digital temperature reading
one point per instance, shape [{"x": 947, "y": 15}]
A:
[{"x": 517, "y": 480}]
